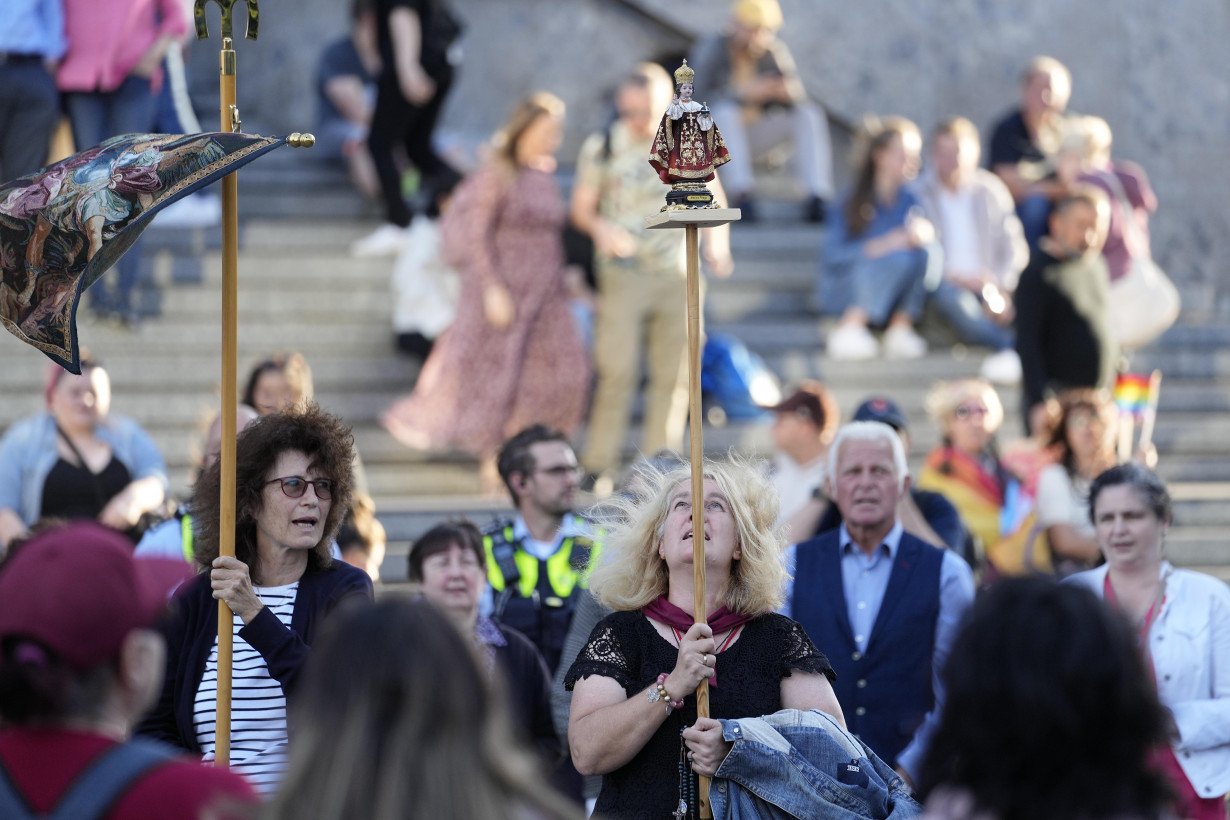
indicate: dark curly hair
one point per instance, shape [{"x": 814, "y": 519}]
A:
[
  {"x": 1050, "y": 711},
  {"x": 323, "y": 438}
]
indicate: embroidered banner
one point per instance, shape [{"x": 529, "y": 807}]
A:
[{"x": 63, "y": 227}]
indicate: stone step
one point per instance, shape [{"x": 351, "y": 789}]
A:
[{"x": 360, "y": 397}]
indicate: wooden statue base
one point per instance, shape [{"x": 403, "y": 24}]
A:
[
  {"x": 688, "y": 195},
  {"x": 699, "y": 217}
]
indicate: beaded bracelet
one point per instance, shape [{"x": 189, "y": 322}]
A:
[{"x": 658, "y": 693}]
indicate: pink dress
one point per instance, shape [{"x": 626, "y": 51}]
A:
[{"x": 481, "y": 385}]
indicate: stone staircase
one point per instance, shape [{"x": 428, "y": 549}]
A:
[{"x": 300, "y": 290}]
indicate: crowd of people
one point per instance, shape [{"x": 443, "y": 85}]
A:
[
  {"x": 857, "y": 672},
  {"x": 1000, "y": 636}
]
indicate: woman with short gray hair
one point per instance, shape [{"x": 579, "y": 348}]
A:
[{"x": 1183, "y": 621}]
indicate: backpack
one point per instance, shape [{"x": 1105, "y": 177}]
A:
[
  {"x": 97, "y": 787},
  {"x": 733, "y": 378}
]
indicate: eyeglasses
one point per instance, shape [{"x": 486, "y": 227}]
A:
[
  {"x": 295, "y": 486},
  {"x": 965, "y": 411},
  {"x": 561, "y": 470}
]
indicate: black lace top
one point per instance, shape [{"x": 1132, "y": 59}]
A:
[{"x": 626, "y": 648}]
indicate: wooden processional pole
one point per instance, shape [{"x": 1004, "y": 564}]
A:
[
  {"x": 692, "y": 220},
  {"x": 230, "y": 122}
]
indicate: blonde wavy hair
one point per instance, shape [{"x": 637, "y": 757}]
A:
[
  {"x": 528, "y": 111},
  {"x": 946, "y": 396},
  {"x": 631, "y": 574}
]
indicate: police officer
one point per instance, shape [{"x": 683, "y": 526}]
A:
[{"x": 536, "y": 561}]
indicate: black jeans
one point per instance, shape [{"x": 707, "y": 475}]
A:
[
  {"x": 29, "y": 111},
  {"x": 396, "y": 121}
]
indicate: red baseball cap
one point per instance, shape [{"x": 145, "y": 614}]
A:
[{"x": 78, "y": 591}]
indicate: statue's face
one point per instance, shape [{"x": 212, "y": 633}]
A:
[{"x": 685, "y": 91}]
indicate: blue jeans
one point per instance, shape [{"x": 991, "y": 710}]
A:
[
  {"x": 96, "y": 116},
  {"x": 880, "y": 287},
  {"x": 803, "y": 764},
  {"x": 963, "y": 311},
  {"x": 1034, "y": 211}
]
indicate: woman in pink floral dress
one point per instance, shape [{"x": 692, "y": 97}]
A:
[{"x": 514, "y": 355}]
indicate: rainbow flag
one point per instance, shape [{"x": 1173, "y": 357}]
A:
[{"x": 1134, "y": 393}]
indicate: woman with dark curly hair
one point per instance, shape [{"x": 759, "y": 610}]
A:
[
  {"x": 293, "y": 483},
  {"x": 1049, "y": 713}
]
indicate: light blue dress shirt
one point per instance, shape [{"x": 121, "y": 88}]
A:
[
  {"x": 863, "y": 580},
  {"x": 33, "y": 27}
]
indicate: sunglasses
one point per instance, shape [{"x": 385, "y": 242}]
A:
[
  {"x": 295, "y": 486},
  {"x": 966, "y": 411},
  {"x": 561, "y": 470}
]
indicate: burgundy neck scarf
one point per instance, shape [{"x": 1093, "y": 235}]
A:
[{"x": 719, "y": 621}]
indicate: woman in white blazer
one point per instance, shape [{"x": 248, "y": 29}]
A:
[{"x": 1183, "y": 618}]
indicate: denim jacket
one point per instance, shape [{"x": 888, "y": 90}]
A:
[
  {"x": 803, "y": 764},
  {"x": 28, "y": 452}
]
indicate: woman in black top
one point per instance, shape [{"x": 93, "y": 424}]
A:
[
  {"x": 78, "y": 460},
  {"x": 633, "y": 684},
  {"x": 448, "y": 564}
]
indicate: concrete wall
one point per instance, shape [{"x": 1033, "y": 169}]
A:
[{"x": 1158, "y": 72}]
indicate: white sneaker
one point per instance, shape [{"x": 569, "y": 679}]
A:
[
  {"x": 851, "y": 343},
  {"x": 901, "y": 342},
  {"x": 387, "y": 240},
  {"x": 1003, "y": 367}
]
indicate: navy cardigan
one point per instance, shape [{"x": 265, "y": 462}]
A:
[{"x": 192, "y": 626}]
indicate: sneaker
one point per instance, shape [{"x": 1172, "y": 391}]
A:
[
  {"x": 901, "y": 342},
  {"x": 851, "y": 343},
  {"x": 387, "y": 240},
  {"x": 815, "y": 210},
  {"x": 1003, "y": 367}
]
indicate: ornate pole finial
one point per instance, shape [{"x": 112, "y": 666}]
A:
[{"x": 227, "y": 8}]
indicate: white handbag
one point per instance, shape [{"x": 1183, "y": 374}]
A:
[{"x": 1143, "y": 303}]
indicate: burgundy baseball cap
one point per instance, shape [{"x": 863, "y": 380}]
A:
[
  {"x": 78, "y": 591},
  {"x": 813, "y": 401}
]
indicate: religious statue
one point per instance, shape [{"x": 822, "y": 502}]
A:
[{"x": 688, "y": 146}]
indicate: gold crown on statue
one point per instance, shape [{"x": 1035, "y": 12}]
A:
[{"x": 684, "y": 74}]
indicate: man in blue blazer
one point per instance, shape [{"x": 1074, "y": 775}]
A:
[{"x": 881, "y": 603}]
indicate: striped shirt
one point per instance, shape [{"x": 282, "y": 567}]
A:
[{"x": 258, "y": 705}]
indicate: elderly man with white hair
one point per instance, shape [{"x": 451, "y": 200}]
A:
[{"x": 881, "y": 603}]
